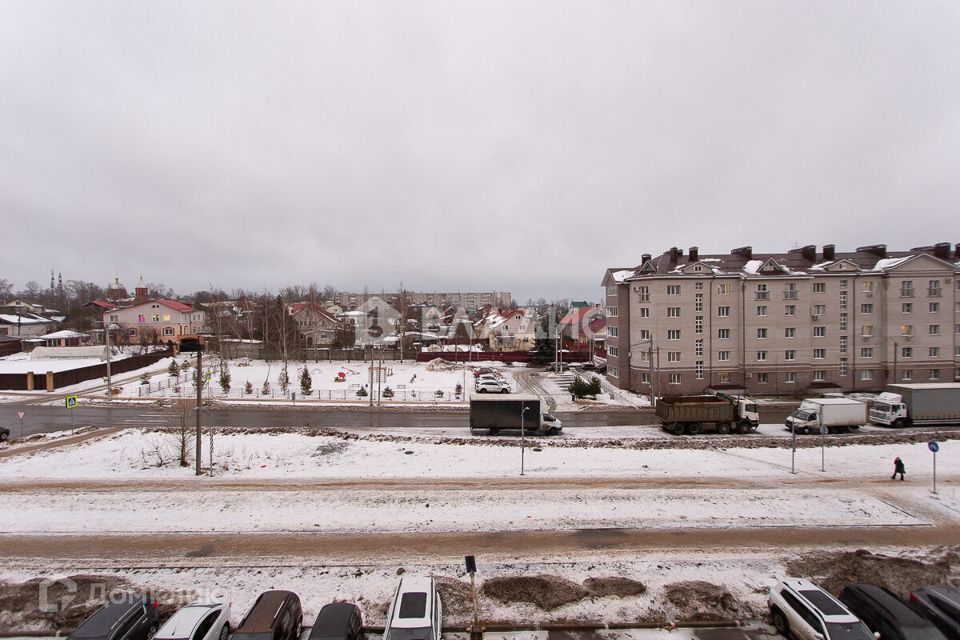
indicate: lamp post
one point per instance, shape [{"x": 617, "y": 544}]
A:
[{"x": 523, "y": 438}]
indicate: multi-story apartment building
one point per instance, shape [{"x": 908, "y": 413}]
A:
[{"x": 782, "y": 323}]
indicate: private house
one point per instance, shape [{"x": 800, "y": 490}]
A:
[{"x": 316, "y": 325}]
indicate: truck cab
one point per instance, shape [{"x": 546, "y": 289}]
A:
[
  {"x": 806, "y": 419},
  {"x": 888, "y": 409},
  {"x": 747, "y": 410}
]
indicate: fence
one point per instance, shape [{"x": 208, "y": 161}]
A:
[
  {"x": 19, "y": 381},
  {"x": 213, "y": 391},
  {"x": 496, "y": 356}
]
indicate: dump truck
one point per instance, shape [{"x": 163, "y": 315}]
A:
[
  {"x": 696, "y": 413},
  {"x": 836, "y": 414},
  {"x": 493, "y": 414},
  {"x": 905, "y": 405}
]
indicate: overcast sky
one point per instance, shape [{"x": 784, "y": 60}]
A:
[{"x": 520, "y": 146}]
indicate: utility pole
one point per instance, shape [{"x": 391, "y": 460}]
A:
[
  {"x": 199, "y": 379},
  {"x": 109, "y": 352}
]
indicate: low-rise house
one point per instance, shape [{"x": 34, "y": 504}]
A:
[
  {"x": 317, "y": 326},
  {"x": 25, "y": 324}
]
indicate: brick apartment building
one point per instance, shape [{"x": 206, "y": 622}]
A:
[{"x": 776, "y": 324}]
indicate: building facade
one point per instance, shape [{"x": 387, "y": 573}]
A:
[{"x": 781, "y": 324}]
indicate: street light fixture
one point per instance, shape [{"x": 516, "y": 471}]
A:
[{"x": 523, "y": 438}]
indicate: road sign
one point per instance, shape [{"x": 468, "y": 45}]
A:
[
  {"x": 824, "y": 429},
  {"x": 933, "y": 446},
  {"x": 70, "y": 401},
  {"x": 20, "y": 415}
]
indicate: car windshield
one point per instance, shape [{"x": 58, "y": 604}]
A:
[
  {"x": 548, "y": 418},
  {"x": 880, "y": 406},
  {"x": 420, "y": 633},
  {"x": 848, "y": 631},
  {"x": 802, "y": 415},
  {"x": 751, "y": 408}
]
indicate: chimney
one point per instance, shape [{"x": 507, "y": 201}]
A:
[
  {"x": 645, "y": 258},
  {"x": 942, "y": 250},
  {"x": 744, "y": 252},
  {"x": 956, "y": 250},
  {"x": 879, "y": 250},
  {"x": 809, "y": 253},
  {"x": 675, "y": 254},
  {"x": 829, "y": 252},
  {"x": 694, "y": 254}
]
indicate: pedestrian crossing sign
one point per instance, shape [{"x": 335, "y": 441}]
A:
[{"x": 71, "y": 402}]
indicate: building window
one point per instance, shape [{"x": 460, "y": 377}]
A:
[
  {"x": 723, "y": 334},
  {"x": 956, "y": 329},
  {"x": 723, "y": 356},
  {"x": 674, "y": 378},
  {"x": 819, "y": 287},
  {"x": 819, "y": 309},
  {"x": 906, "y": 330},
  {"x": 673, "y": 334},
  {"x": 790, "y": 310},
  {"x": 613, "y": 372},
  {"x": 906, "y": 289},
  {"x": 611, "y": 312},
  {"x": 934, "y": 352},
  {"x": 613, "y": 331},
  {"x": 613, "y": 351},
  {"x": 819, "y": 376},
  {"x": 699, "y": 346},
  {"x": 933, "y": 288},
  {"x": 723, "y": 377},
  {"x": 132, "y": 332},
  {"x": 866, "y": 308},
  {"x": 673, "y": 312},
  {"x": 673, "y": 289},
  {"x": 843, "y": 299},
  {"x": 762, "y": 293},
  {"x": 819, "y": 354},
  {"x": 698, "y": 325},
  {"x": 790, "y": 332},
  {"x": 790, "y": 291},
  {"x": 116, "y": 318},
  {"x": 762, "y": 377},
  {"x": 843, "y": 366},
  {"x": 843, "y": 322},
  {"x": 698, "y": 302},
  {"x": 843, "y": 344},
  {"x": 644, "y": 312},
  {"x": 761, "y": 310},
  {"x": 644, "y": 334},
  {"x": 724, "y": 289},
  {"x": 789, "y": 354},
  {"x": 141, "y": 318},
  {"x": 673, "y": 356},
  {"x": 934, "y": 307},
  {"x": 934, "y": 374},
  {"x": 934, "y": 329},
  {"x": 644, "y": 378},
  {"x": 761, "y": 333},
  {"x": 867, "y": 331},
  {"x": 868, "y": 288},
  {"x": 906, "y": 352},
  {"x": 907, "y": 375},
  {"x": 866, "y": 352},
  {"x": 761, "y": 356},
  {"x": 906, "y": 307},
  {"x": 723, "y": 312},
  {"x": 699, "y": 370},
  {"x": 168, "y": 331},
  {"x": 866, "y": 374},
  {"x": 698, "y": 285},
  {"x": 819, "y": 332},
  {"x": 643, "y": 293},
  {"x": 790, "y": 377}
]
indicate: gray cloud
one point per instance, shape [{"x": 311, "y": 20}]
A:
[{"x": 495, "y": 145}]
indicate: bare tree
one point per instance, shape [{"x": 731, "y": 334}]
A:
[{"x": 180, "y": 418}]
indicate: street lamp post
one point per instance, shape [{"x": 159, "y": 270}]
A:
[{"x": 523, "y": 438}]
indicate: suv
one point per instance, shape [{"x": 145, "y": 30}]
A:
[
  {"x": 4, "y": 434},
  {"x": 134, "y": 617},
  {"x": 197, "y": 621},
  {"x": 886, "y": 614},
  {"x": 338, "y": 621},
  {"x": 492, "y": 386},
  {"x": 416, "y": 612},
  {"x": 276, "y": 615},
  {"x": 810, "y": 613},
  {"x": 941, "y": 606}
]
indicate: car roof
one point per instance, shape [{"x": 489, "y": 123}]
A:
[
  {"x": 829, "y": 608},
  {"x": 891, "y": 604},
  {"x": 182, "y": 623},
  {"x": 332, "y": 618},
  {"x": 942, "y": 595},
  {"x": 264, "y": 611},
  {"x": 102, "y": 622},
  {"x": 413, "y": 585}
]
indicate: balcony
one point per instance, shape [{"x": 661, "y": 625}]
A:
[
  {"x": 906, "y": 293},
  {"x": 789, "y": 295},
  {"x": 934, "y": 292},
  {"x": 763, "y": 295}
]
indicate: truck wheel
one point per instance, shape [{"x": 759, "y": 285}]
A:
[
  {"x": 4, "y": 435},
  {"x": 693, "y": 428},
  {"x": 675, "y": 428},
  {"x": 805, "y": 431},
  {"x": 745, "y": 426},
  {"x": 504, "y": 390},
  {"x": 780, "y": 623},
  {"x": 723, "y": 427},
  {"x": 899, "y": 423},
  {"x": 494, "y": 432}
]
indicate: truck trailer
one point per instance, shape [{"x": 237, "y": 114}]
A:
[
  {"x": 493, "y": 414},
  {"x": 696, "y": 413},
  {"x": 904, "y": 405},
  {"x": 836, "y": 414}
]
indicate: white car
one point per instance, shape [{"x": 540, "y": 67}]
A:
[
  {"x": 803, "y": 609},
  {"x": 416, "y": 612},
  {"x": 197, "y": 621},
  {"x": 492, "y": 386}
]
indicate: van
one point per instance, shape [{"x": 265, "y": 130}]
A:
[{"x": 416, "y": 612}]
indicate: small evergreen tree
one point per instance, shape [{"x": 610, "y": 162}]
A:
[
  {"x": 306, "y": 382},
  {"x": 594, "y": 387},
  {"x": 284, "y": 379},
  {"x": 265, "y": 389},
  {"x": 248, "y": 388},
  {"x": 544, "y": 351},
  {"x": 145, "y": 377},
  {"x": 225, "y": 380},
  {"x": 174, "y": 369},
  {"x": 199, "y": 380}
]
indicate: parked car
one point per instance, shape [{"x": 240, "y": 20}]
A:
[
  {"x": 338, "y": 621},
  {"x": 133, "y": 617},
  {"x": 197, "y": 621},
  {"x": 802, "y": 608},
  {"x": 941, "y": 606},
  {"x": 490, "y": 376},
  {"x": 4, "y": 434},
  {"x": 276, "y": 615},
  {"x": 492, "y": 386},
  {"x": 886, "y": 614},
  {"x": 416, "y": 612}
]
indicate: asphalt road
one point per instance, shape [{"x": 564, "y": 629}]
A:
[{"x": 45, "y": 419}]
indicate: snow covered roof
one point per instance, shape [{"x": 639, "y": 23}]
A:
[
  {"x": 24, "y": 318},
  {"x": 622, "y": 275},
  {"x": 64, "y": 334}
]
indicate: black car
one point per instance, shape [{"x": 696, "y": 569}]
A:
[
  {"x": 276, "y": 615},
  {"x": 886, "y": 614},
  {"x": 132, "y": 617},
  {"x": 941, "y": 606},
  {"x": 4, "y": 434},
  {"x": 337, "y": 621}
]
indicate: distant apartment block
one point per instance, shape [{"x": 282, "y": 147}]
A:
[
  {"x": 467, "y": 300},
  {"x": 783, "y": 323}
]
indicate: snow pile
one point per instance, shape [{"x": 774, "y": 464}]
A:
[{"x": 439, "y": 364}]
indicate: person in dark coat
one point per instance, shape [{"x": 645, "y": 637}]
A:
[{"x": 898, "y": 468}]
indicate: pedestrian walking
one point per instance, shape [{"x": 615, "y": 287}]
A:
[{"x": 898, "y": 468}]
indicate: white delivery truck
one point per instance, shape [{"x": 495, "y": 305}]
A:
[
  {"x": 836, "y": 414},
  {"x": 922, "y": 404}
]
